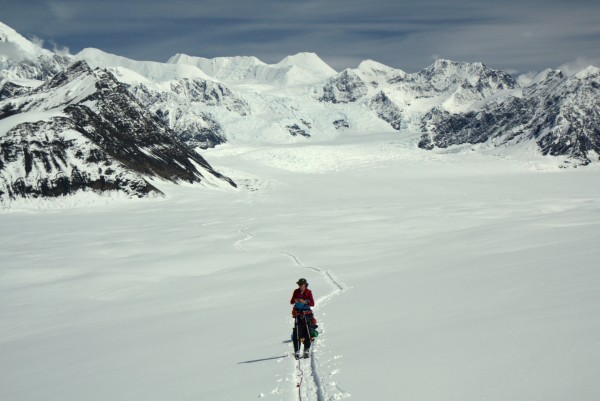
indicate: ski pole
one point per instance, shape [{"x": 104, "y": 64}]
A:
[{"x": 297, "y": 341}]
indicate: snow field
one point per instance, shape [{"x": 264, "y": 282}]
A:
[{"x": 454, "y": 277}]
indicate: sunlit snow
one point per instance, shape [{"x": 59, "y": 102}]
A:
[{"x": 438, "y": 276}]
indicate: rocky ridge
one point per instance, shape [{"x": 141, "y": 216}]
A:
[
  {"x": 82, "y": 129},
  {"x": 560, "y": 114}
]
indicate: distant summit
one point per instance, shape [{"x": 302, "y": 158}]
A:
[
  {"x": 22, "y": 61},
  {"x": 16, "y": 47},
  {"x": 302, "y": 68}
]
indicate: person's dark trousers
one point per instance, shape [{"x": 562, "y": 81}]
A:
[{"x": 302, "y": 331}]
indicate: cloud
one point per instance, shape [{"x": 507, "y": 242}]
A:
[
  {"x": 59, "y": 50},
  {"x": 37, "y": 41},
  {"x": 580, "y": 63},
  {"x": 520, "y": 35},
  {"x": 10, "y": 51}
]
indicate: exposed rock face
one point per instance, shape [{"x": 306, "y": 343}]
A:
[
  {"x": 387, "y": 91},
  {"x": 561, "y": 114},
  {"x": 83, "y": 129},
  {"x": 295, "y": 130},
  {"x": 46, "y": 159},
  {"x": 387, "y": 110},
  {"x": 41, "y": 68},
  {"x": 178, "y": 107},
  {"x": 346, "y": 87},
  {"x": 9, "y": 89},
  {"x": 446, "y": 75},
  {"x": 341, "y": 123}
]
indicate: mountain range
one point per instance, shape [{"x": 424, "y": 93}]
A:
[{"x": 101, "y": 122}]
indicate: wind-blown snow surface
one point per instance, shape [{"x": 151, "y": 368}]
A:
[{"x": 446, "y": 277}]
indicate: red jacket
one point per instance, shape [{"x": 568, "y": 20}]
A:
[{"x": 306, "y": 296}]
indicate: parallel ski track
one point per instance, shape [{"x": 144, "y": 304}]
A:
[{"x": 313, "y": 382}]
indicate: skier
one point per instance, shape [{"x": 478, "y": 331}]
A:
[{"x": 303, "y": 300}]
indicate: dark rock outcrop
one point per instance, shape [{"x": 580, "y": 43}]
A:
[
  {"x": 82, "y": 129},
  {"x": 561, "y": 114},
  {"x": 346, "y": 87},
  {"x": 387, "y": 110}
]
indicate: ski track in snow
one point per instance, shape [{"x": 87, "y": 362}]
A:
[
  {"x": 309, "y": 383},
  {"x": 249, "y": 236},
  {"x": 308, "y": 380},
  {"x": 337, "y": 285}
]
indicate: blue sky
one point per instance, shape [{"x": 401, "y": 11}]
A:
[{"x": 518, "y": 36}]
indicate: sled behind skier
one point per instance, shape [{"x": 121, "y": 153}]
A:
[{"x": 304, "y": 321}]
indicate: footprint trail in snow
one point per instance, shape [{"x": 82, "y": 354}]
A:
[{"x": 308, "y": 380}]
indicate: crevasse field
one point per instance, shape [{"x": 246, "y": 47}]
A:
[{"x": 438, "y": 277}]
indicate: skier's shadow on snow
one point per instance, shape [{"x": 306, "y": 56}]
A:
[
  {"x": 268, "y": 359},
  {"x": 264, "y": 359}
]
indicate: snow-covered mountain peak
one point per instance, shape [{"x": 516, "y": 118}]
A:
[
  {"x": 463, "y": 69},
  {"x": 445, "y": 74},
  {"x": 14, "y": 45},
  {"x": 72, "y": 85},
  {"x": 74, "y": 71},
  {"x": 535, "y": 77},
  {"x": 590, "y": 72},
  {"x": 152, "y": 70},
  {"x": 93, "y": 55},
  {"x": 377, "y": 73},
  {"x": 235, "y": 68},
  {"x": 308, "y": 61},
  {"x": 549, "y": 74},
  {"x": 217, "y": 65},
  {"x": 445, "y": 63},
  {"x": 545, "y": 82},
  {"x": 371, "y": 65},
  {"x": 302, "y": 68}
]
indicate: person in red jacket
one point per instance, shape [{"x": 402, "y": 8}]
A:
[
  {"x": 302, "y": 294},
  {"x": 303, "y": 300}
]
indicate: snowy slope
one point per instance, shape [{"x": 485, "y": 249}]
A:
[
  {"x": 437, "y": 277},
  {"x": 463, "y": 272},
  {"x": 14, "y": 46}
]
